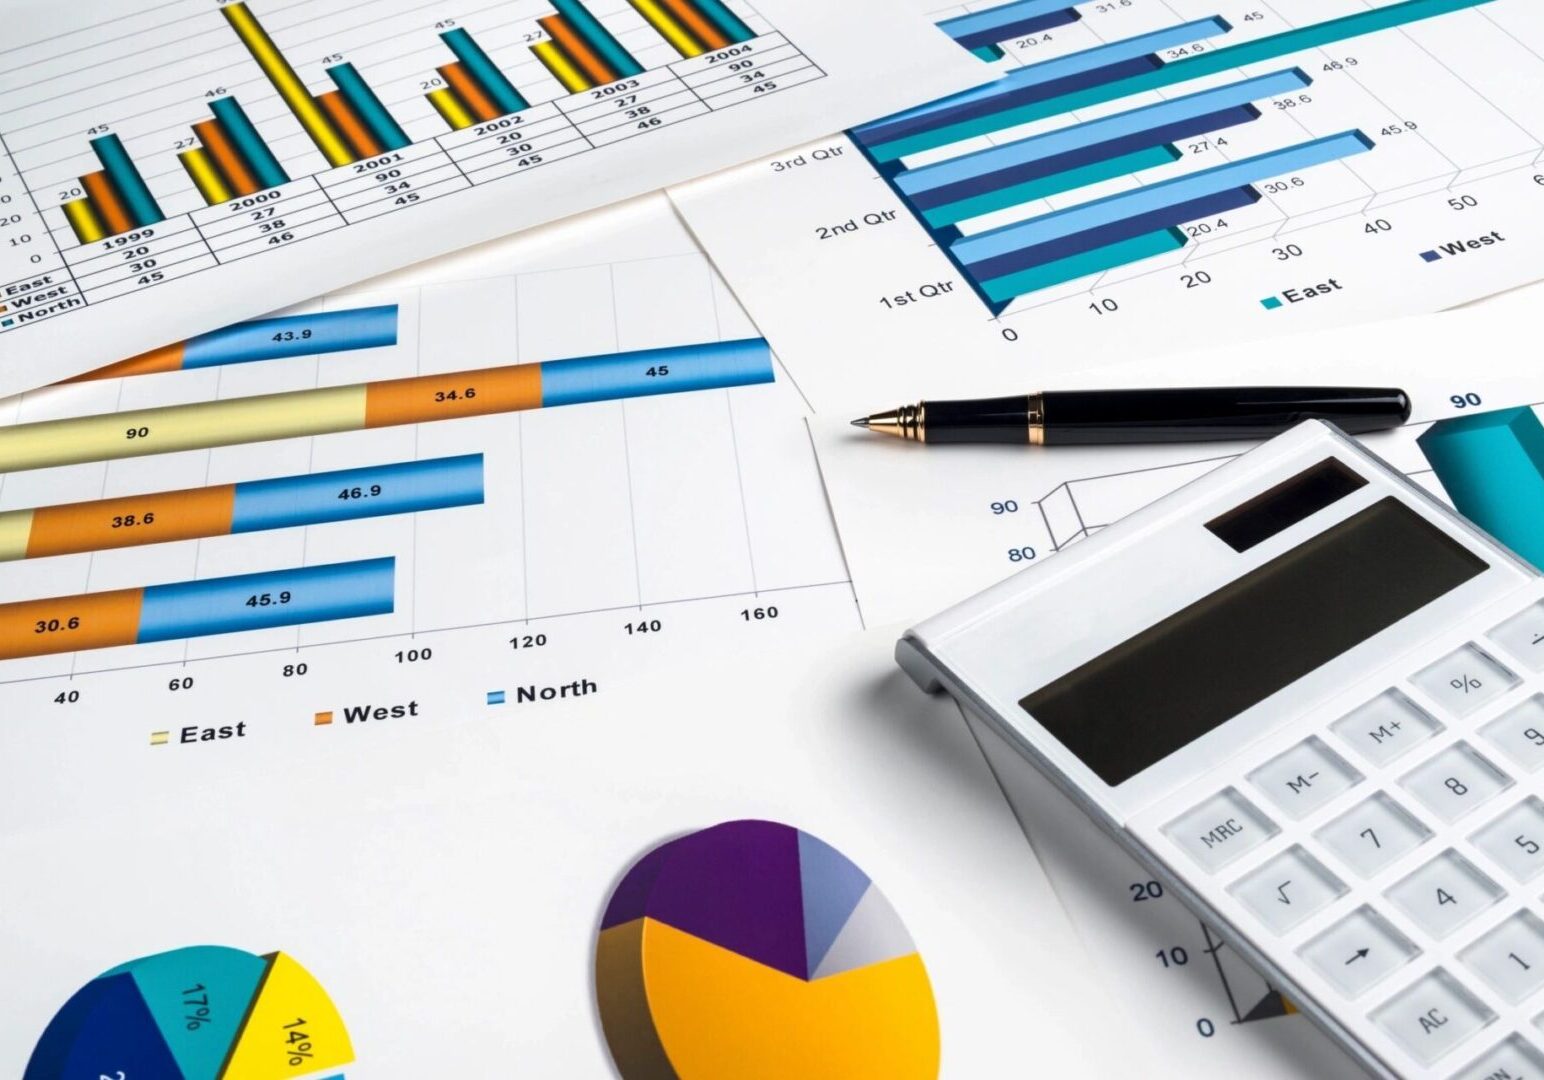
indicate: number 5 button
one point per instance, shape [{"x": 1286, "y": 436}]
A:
[{"x": 1515, "y": 840}]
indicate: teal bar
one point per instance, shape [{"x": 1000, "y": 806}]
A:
[
  {"x": 1191, "y": 67},
  {"x": 483, "y": 69},
  {"x": 1151, "y": 157},
  {"x": 989, "y": 53},
  {"x": 125, "y": 178},
  {"x": 589, "y": 27},
  {"x": 358, "y": 94},
  {"x": 731, "y": 24},
  {"x": 265, "y": 167},
  {"x": 1492, "y": 467},
  {"x": 1003, "y": 289}
]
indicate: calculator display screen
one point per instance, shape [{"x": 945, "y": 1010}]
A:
[{"x": 1156, "y": 692}]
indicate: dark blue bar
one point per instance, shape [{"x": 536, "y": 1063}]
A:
[
  {"x": 1116, "y": 231},
  {"x": 986, "y": 38},
  {"x": 1087, "y": 155},
  {"x": 874, "y": 134}
]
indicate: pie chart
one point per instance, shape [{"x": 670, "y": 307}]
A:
[
  {"x": 755, "y": 950},
  {"x": 206, "y": 1012}
]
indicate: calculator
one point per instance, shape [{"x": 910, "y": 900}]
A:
[{"x": 1310, "y": 698}]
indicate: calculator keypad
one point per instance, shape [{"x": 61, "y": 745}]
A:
[{"x": 1400, "y": 853}]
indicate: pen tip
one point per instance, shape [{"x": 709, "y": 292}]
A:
[{"x": 863, "y": 423}]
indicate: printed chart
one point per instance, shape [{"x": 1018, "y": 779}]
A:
[
  {"x": 525, "y": 460},
  {"x": 1150, "y": 176},
  {"x": 697, "y": 944},
  {"x": 206, "y": 1012},
  {"x": 146, "y": 155}
]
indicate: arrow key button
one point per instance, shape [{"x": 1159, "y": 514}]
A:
[{"x": 1359, "y": 952}]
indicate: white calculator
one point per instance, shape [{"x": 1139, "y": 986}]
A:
[{"x": 1311, "y": 699}]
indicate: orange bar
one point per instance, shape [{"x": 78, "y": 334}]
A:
[
  {"x": 128, "y": 522},
  {"x": 166, "y": 358},
  {"x": 343, "y": 118},
  {"x": 466, "y": 86},
  {"x": 67, "y": 623},
  {"x": 446, "y": 397},
  {"x": 703, "y": 30},
  {"x": 576, "y": 47},
  {"x": 212, "y": 134},
  {"x": 105, "y": 201}
]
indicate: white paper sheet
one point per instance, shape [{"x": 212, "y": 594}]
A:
[{"x": 119, "y": 76}]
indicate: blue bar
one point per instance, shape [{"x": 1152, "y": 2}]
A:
[
  {"x": 137, "y": 199},
  {"x": 1492, "y": 467},
  {"x": 1094, "y": 132},
  {"x": 589, "y": 27},
  {"x": 293, "y": 335},
  {"x": 731, "y": 24},
  {"x": 265, "y": 167},
  {"x": 357, "y": 92},
  {"x": 1050, "y": 70},
  {"x": 1181, "y": 189},
  {"x": 484, "y": 71},
  {"x": 261, "y": 601},
  {"x": 717, "y": 365},
  {"x": 349, "y": 494},
  {"x": 1128, "y": 228},
  {"x": 980, "y": 22},
  {"x": 1077, "y": 159},
  {"x": 987, "y": 108},
  {"x": 987, "y": 41}
]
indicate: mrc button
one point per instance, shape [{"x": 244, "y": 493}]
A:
[{"x": 1221, "y": 829}]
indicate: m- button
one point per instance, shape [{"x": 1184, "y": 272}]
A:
[{"x": 1221, "y": 829}]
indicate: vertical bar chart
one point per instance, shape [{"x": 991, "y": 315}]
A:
[
  {"x": 116, "y": 198},
  {"x": 693, "y": 27},
  {"x": 231, "y": 159},
  {"x": 482, "y": 70},
  {"x": 581, "y": 53},
  {"x": 385, "y": 130}
]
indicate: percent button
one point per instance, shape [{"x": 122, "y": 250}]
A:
[{"x": 1464, "y": 680}]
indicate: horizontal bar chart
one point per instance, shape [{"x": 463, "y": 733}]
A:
[
  {"x": 420, "y": 399},
  {"x": 1492, "y": 466},
  {"x": 982, "y": 31},
  {"x": 1155, "y": 197},
  {"x": 197, "y": 608},
  {"x": 1094, "y": 261},
  {"x": 229, "y": 509},
  {"x": 265, "y": 339}
]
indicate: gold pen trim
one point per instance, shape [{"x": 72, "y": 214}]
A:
[{"x": 1036, "y": 420}]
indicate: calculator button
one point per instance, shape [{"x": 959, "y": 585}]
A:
[
  {"x": 1510, "y": 959},
  {"x": 1464, "y": 680},
  {"x": 1444, "y": 894},
  {"x": 1304, "y": 778},
  {"x": 1515, "y": 1059},
  {"x": 1519, "y": 733},
  {"x": 1433, "y": 1016},
  {"x": 1515, "y": 840},
  {"x": 1359, "y": 952},
  {"x": 1221, "y": 829},
  {"x": 1455, "y": 782},
  {"x": 1386, "y": 727},
  {"x": 1288, "y": 889},
  {"x": 1523, "y": 636},
  {"x": 1373, "y": 834}
]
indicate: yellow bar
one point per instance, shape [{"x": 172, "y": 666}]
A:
[
  {"x": 288, "y": 84},
  {"x": 83, "y": 219},
  {"x": 557, "y": 62},
  {"x": 450, "y": 107},
  {"x": 182, "y": 427},
  {"x": 210, "y": 184},
  {"x": 15, "y": 529},
  {"x": 671, "y": 30}
]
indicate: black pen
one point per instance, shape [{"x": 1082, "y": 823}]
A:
[{"x": 1087, "y": 417}]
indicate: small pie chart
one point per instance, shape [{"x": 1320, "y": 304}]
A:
[
  {"x": 755, "y": 950},
  {"x": 206, "y": 1012}
]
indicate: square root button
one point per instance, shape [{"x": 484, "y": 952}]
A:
[
  {"x": 1433, "y": 1017},
  {"x": 1221, "y": 829}
]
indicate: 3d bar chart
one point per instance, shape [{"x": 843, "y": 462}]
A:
[
  {"x": 580, "y": 52},
  {"x": 229, "y": 509},
  {"x": 1492, "y": 467},
  {"x": 197, "y": 608},
  {"x": 694, "y": 27},
  {"x": 981, "y": 31},
  {"x": 420, "y": 399},
  {"x": 116, "y": 199},
  {"x": 265, "y": 339},
  {"x": 966, "y": 199}
]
